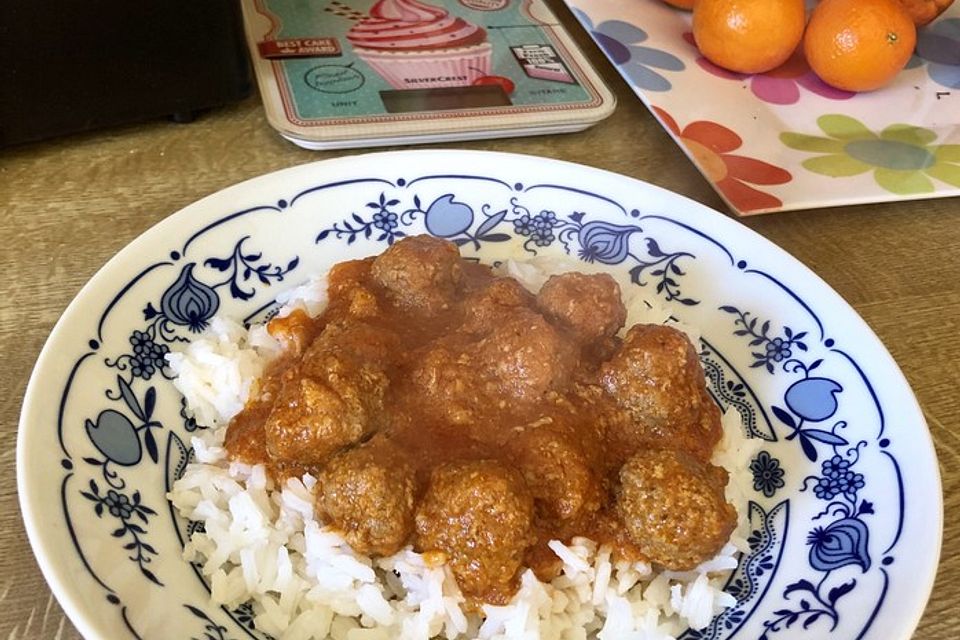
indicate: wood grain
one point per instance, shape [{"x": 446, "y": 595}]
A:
[{"x": 70, "y": 204}]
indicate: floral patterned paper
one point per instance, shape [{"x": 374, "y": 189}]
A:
[
  {"x": 711, "y": 145},
  {"x": 902, "y": 158},
  {"x": 784, "y": 139}
]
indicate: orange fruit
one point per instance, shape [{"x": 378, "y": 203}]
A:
[
  {"x": 749, "y": 36},
  {"x": 859, "y": 45},
  {"x": 683, "y": 4},
  {"x": 923, "y": 11}
]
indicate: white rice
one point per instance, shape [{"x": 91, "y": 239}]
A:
[{"x": 263, "y": 544}]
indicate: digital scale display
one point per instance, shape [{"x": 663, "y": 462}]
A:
[{"x": 444, "y": 99}]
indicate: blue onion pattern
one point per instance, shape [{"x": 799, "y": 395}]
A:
[
  {"x": 813, "y": 399},
  {"x": 386, "y": 221},
  {"x": 778, "y": 350},
  {"x": 447, "y": 218},
  {"x": 767, "y": 474},
  {"x": 605, "y": 242},
  {"x": 839, "y": 544},
  {"x": 838, "y": 479},
  {"x": 189, "y": 302},
  {"x": 243, "y": 267},
  {"x": 539, "y": 228},
  {"x": 118, "y": 504},
  {"x": 466, "y": 225},
  {"x": 775, "y": 349},
  {"x": 148, "y": 355},
  {"x": 115, "y": 437},
  {"x": 132, "y": 516},
  {"x": 832, "y": 547}
]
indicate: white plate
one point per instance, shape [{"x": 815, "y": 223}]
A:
[{"x": 847, "y": 513}]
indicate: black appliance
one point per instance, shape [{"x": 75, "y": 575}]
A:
[{"x": 74, "y": 65}]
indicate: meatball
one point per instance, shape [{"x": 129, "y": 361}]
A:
[
  {"x": 656, "y": 378},
  {"x": 362, "y": 303},
  {"x": 484, "y": 309},
  {"x": 353, "y": 341},
  {"x": 368, "y": 493},
  {"x": 448, "y": 376},
  {"x": 333, "y": 399},
  {"x": 422, "y": 272},
  {"x": 524, "y": 356},
  {"x": 588, "y": 305},
  {"x": 558, "y": 471},
  {"x": 673, "y": 508},
  {"x": 479, "y": 514},
  {"x": 310, "y": 421}
]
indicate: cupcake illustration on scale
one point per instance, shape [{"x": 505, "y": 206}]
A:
[{"x": 414, "y": 45}]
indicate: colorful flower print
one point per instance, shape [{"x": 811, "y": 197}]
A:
[
  {"x": 781, "y": 85},
  {"x": 939, "y": 45},
  {"x": 902, "y": 157},
  {"x": 711, "y": 145},
  {"x": 620, "y": 41}
]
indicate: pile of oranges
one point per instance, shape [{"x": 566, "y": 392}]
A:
[{"x": 855, "y": 45}]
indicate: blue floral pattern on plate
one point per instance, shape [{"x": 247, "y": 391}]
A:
[{"x": 829, "y": 505}]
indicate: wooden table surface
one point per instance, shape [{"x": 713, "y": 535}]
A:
[{"x": 68, "y": 205}]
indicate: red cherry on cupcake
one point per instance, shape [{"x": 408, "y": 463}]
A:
[{"x": 505, "y": 83}]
